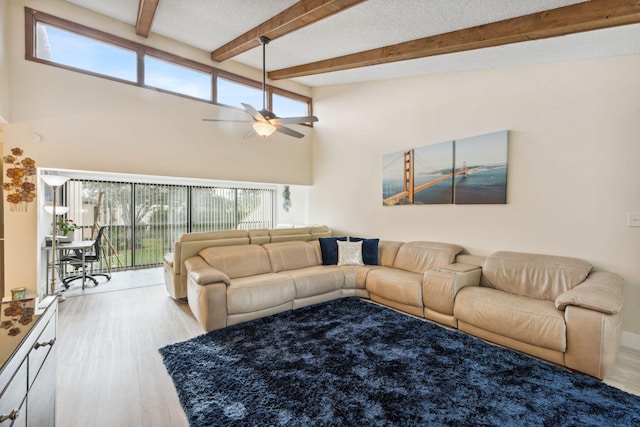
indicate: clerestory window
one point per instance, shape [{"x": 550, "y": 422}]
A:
[
  {"x": 83, "y": 53},
  {"x": 176, "y": 78},
  {"x": 57, "y": 42}
]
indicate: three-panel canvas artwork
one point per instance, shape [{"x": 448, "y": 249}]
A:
[{"x": 464, "y": 171}]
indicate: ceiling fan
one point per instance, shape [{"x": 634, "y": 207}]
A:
[{"x": 266, "y": 122}]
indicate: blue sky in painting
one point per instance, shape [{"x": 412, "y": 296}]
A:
[
  {"x": 433, "y": 158},
  {"x": 488, "y": 149}
]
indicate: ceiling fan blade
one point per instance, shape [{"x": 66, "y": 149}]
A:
[
  {"x": 226, "y": 120},
  {"x": 293, "y": 120},
  {"x": 287, "y": 131},
  {"x": 249, "y": 134},
  {"x": 254, "y": 113}
]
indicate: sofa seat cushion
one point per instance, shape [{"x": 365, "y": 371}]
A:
[
  {"x": 355, "y": 276},
  {"x": 422, "y": 256},
  {"x": 238, "y": 260},
  {"x": 534, "y": 275},
  {"x": 259, "y": 292},
  {"x": 404, "y": 287},
  {"x": 287, "y": 256},
  {"x": 530, "y": 320},
  {"x": 317, "y": 280}
]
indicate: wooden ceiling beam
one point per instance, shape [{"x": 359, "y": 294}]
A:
[
  {"x": 146, "y": 12},
  {"x": 299, "y": 15},
  {"x": 587, "y": 16}
]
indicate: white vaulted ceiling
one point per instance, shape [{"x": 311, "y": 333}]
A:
[{"x": 371, "y": 24}]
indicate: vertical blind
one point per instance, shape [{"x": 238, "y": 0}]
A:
[{"x": 144, "y": 219}]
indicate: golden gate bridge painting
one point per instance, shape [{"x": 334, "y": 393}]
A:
[{"x": 465, "y": 171}]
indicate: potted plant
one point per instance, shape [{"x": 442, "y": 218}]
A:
[{"x": 65, "y": 228}]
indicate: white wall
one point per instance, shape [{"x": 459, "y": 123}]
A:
[
  {"x": 298, "y": 214},
  {"x": 573, "y": 160},
  {"x": 4, "y": 62},
  {"x": 89, "y": 123}
]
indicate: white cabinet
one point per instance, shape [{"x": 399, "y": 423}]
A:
[{"x": 28, "y": 372}]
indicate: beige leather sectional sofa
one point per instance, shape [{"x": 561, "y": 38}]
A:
[
  {"x": 551, "y": 307},
  {"x": 188, "y": 245}
]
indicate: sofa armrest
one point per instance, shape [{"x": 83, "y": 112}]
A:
[
  {"x": 168, "y": 259},
  {"x": 440, "y": 287},
  {"x": 203, "y": 274},
  {"x": 601, "y": 291}
]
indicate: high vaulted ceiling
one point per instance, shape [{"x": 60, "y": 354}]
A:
[{"x": 323, "y": 42}]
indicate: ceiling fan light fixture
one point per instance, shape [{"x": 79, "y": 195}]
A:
[
  {"x": 266, "y": 122},
  {"x": 264, "y": 129}
]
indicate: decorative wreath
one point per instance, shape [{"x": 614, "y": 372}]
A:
[{"x": 20, "y": 189}]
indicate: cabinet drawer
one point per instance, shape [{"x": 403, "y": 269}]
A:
[
  {"x": 41, "y": 399},
  {"x": 40, "y": 349},
  {"x": 13, "y": 395}
]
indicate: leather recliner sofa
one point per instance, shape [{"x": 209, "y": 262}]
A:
[
  {"x": 551, "y": 307},
  {"x": 189, "y": 244}
]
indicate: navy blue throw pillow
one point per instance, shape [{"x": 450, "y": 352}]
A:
[
  {"x": 369, "y": 250},
  {"x": 329, "y": 249}
]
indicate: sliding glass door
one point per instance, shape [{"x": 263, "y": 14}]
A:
[{"x": 145, "y": 219}]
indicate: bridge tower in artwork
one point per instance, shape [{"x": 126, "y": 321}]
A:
[
  {"x": 407, "y": 185},
  {"x": 409, "y": 189},
  {"x": 464, "y": 171}
]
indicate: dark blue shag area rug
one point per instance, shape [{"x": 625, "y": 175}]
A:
[{"x": 352, "y": 363}]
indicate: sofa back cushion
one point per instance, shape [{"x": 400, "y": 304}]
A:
[
  {"x": 259, "y": 236},
  {"x": 291, "y": 255},
  {"x": 534, "y": 275},
  {"x": 190, "y": 244},
  {"x": 288, "y": 234},
  {"x": 422, "y": 256},
  {"x": 238, "y": 260},
  {"x": 318, "y": 231},
  {"x": 387, "y": 251},
  {"x": 213, "y": 235}
]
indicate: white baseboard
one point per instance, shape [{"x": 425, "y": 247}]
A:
[{"x": 630, "y": 340}]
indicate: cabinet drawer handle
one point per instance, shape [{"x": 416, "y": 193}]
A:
[
  {"x": 11, "y": 416},
  {"x": 51, "y": 342}
]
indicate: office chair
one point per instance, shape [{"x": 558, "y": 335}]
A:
[{"x": 90, "y": 258}]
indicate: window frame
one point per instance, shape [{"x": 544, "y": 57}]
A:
[{"x": 33, "y": 17}]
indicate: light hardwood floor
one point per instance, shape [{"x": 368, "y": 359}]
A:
[
  {"x": 109, "y": 370},
  {"x": 111, "y": 374}
]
